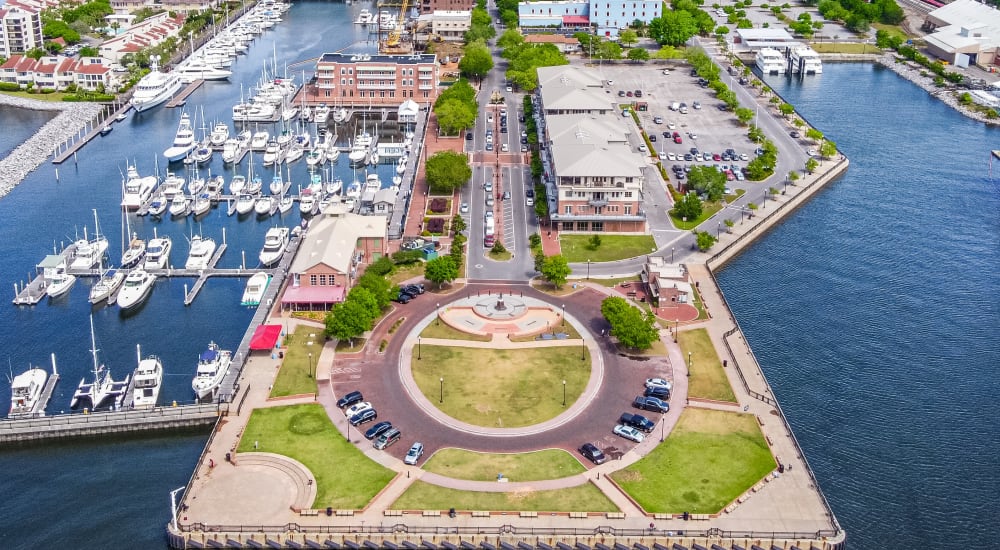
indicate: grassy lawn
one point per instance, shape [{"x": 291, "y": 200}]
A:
[
  {"x": 567, "y": 329},
  {"x": 707, "y": 211},
  {"x": 702, "y": 314},
  {"x": 406, "y": 272},
  {"x": 295, "y": 376},
  {"x": 710, "y": 458},
  {"x": 462, "y": 464},
  {"x": 843, "y": 47},
  {"x": 893, "y": 30},
  {"x": 614, "y": 282},
  {"x": 346, "y": 347},
  {"x": 518, "y": 388},
  {"x": 576, "y": 248},
  {"x": 442, "y": 330},
  {"x": 546, "y": 287},
  {"x": 708, "y": 379},
  {"x": 345, "y": 477},
  {"x": 53, "y": 97},
  {"x": 500, "y": 256},
  {"x": 585, "y": 498}
]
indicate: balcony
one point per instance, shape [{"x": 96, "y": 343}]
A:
[{"x": 598, "y": 203}]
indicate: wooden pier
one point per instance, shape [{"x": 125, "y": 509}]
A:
[
  {"x": 33, "y": 292},
  {"x": 181, "y": 98},
  {"x": 203, "y": 275},
  {"x": 62, "y": 154},
  {"x": 110, "y": 422}
]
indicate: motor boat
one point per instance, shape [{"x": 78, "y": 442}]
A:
[
  {"x": 275, "y": 243},
  {"x": 196, "y": 185},
  {"x": 294, "y": 153},
  {"x": 184, "y": 141},
  {"x": 158, "y": 253},
  {"x": 307, "y": 202},
  {"x": 245, "y": 203},
  {"x": 147, "y": 379},
  {"x": 135, "y": 253},
  {"x": 202, "y": 204},
  {"x": 255, "y": 289},
  {"x": 134, "y": 292},
  {"x": 197, "y": 68},
  {"x": 213, "y": 187},
  {"x": 237, "y": 184},
  {"x": 158, "y": 206},
  {"x": 88, "y": 253},
  {"x": 26, "y": 393},
  {"x": 202, "y": 249},
  {"x": 95, "y": 394},
  {"x": 401, "y": 166},
  {"x": 213, "y": 364},
  {"x": 172, "y": 185},
  {"x": 219, "y": 135},
  {"x": 316, "y": 157},
  {"x": 272, "y": 152},
  {"x": 259, "y": 140},
  {"x": 138, "y": 189},
  {"x": 202, "y": 153},
  {"x": 154, "y": 88},
  {"x": 180, "y": 206},
  {"x": 285, "y": 204},
  {"x": 264, "y": 204},
  {"x": 106, "y": 286},
  {"x": 332, "y": 153},
  {"x": 58, "y": 282},
  {"x": 321, "y": 113}
]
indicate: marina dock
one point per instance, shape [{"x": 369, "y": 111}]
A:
[
  {"x": 181, "y": 98},
  {"x": 110, "y": 422},
  {"x": 31, "y": 293},
  {"x": 203, "y": 275},
  {"x": 63, "y": 153}
]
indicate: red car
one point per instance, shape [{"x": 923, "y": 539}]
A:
[{"x": 677, "y": 139}]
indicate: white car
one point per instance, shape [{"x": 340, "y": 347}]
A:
[
  {"x": 744, "y": 156},
  {"x": 671, "y": 125},
  {"x": 692, "y": 135},
  {"x": 356, "y": 408},
  {"x": 671, "y": 156},
  {"x": 666, "y": 72},
  {"x": 663, "y": 155},
  {"x": 489, "y": 214},
  {"x": 414, "y": 454},
  {"x": 811, "y": 152},
  {"x": 529, "y": 201},
  {"x": 642, "y": 148},
  {"x": 464, "y": 209},
  {"x": 628, "y": 432},
  {"x": 659, "y": 383}
]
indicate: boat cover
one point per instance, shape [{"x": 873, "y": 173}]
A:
[
  {"x": 265, "y": 337},
  {"x": 208, "y": 355}
]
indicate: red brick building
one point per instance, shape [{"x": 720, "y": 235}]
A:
[
  {"x": 364, "y": 80},
  {"x": 430, "y": 6}
]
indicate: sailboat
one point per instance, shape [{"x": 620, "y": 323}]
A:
[
  {"x": 94, "y": 394},
  {"x": 135, "y": 253},
  {"x": 89, "y": 252},
  {"x": 109, "y": 282}
]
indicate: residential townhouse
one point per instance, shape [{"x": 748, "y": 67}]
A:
[{"x": 56, "y": 72}]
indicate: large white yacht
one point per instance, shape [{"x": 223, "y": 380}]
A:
[
  {"x": 138, "y": 189},
  {"x": 805, "y": 60},
  {"x": 155, "y": 88},
  {"x": 213, "y": 364},
  {"x": 199, "y": 69},
  {"x": 184, "y": 140},
  {"x": 147, "y": 379},
  {"x": 770, "y": 61},
  {"x": 158, "y": 253},
  {"x": 275, "y": 242},
  {"x": 26, "y": 392},
  {"x": 138, "y": 284},
  {"x": 88, "y": 253},
  {"x": 202, "y": 249},
  {"x": 255, "y": 289}
]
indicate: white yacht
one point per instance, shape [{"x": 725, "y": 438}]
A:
[
  {"x": 401, "y": 165},
  {"x": 158, "y": 205},
  {"x": 275, "y": 243},
  {"x": 199, "y": 69},
  {"x": 259, "y": 140},
  {"x": 365, "y": 17},
  {"x": 158, "y": 253},
  {"x": 134, "y": 292},
  {"x": 202, "y": 249},
  {"x": 213, "y": 364},
  {"x": 154, "y": 88},
  {"x": 321, "y": 113},
  {"x": 180, "y": 206},
  {"x": 88, "y": 253},
  {"x": 172, "y": 185},
  {"x": 277, "y": 186},
  {"x": 237, "y": 184},
  {"x": 94, "y": 394},
  {"x": 135, "y": 253},
  {"x": 26, "y": 392},
  {"x": 184, "y": 141},
  {"x": 147, "y": 379},
  {"x": 272, "y": 152},
  {"x": 219, "y": 135},
  {"x": 316, "y": 157},
  {"x": 263, "y": 205},
  {"x": 307, "y": 202},
  {"x": 202, "y": 204},
  {"x": 106, "y": 286},
  {"x": 255, "y": 289},
  {"x": 138, "y": 189},
  {"x": 770, "y": 61},
  {"x": 334, "y": 186},
  {"x": 245, "y": 203},
  {"x": 285, "y": 203},
  {"x": 254, "y": 186},
  {"x": 805, "y": 60}
]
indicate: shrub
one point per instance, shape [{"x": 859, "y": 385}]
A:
[
  {"x": 438, "y": 206},
  {"x": 436, "y": 225}
]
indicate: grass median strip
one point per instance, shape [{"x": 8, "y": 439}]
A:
[
  {"x": 345, "y": 477},
  {"x": 579, "y": 249},
  {"x": 503, "y": 388},
  {"x": 295, "y": 377},
  {"x": 534, "y": 466},
  {"x": 710, "y": 458},
  {"x": 708, "y": 379},
  {"x": 583, "y": 498}
]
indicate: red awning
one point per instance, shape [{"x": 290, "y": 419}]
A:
[
  {"x": 265, "y": 337},
  {"x": 313, "y": 295},
  {"x": 575, "y": 20}
]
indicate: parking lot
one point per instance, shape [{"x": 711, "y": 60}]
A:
[{"x": 703, "y": 126}]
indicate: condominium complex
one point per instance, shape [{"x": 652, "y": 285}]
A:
[
  {"x": 20, "y": 28},
  {"x": 374, "y": 80}
]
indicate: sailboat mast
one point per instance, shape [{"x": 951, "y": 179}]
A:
[{"x": 93, "y": 348}]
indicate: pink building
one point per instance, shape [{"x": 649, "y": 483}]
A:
[{"x": 56, "y": 72}]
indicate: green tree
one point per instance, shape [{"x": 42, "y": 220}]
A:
[
  {"x": 595, "y": 242},
  {"x": 378, "y": 286},
  {"x": 348, "y": 320},
  {"x": 755, "y": 134},
  {"x": 704, "y": 239},
  {"x": 540, "y": 261},
  {"x": 628, "y": 37},
  {"x": 638, "y": 54},
  {"x": 608, "y": 50},
  {"x": 811, "y": 165},
  {"x": 477, "y": 60},
  {"x": 458, "y": 223},
  {"x": 786, "y": 109},
  {"x": 555, "y": 270},
  {"x": 688, "y": 207},
  {"x": 535, "y": 240},
  {"x": 814, "y": 134},
  {"x": 453, "y": 116},
  {"x": 629, "y": 325},
  {"x": 89, "y": 51},
  {"x": 828, "y": 149},
  {"x": 674, "y": 27},
  {"x": 510, "y": 38},
  {"x": 447, "y": 171},
  {"x": 744, "y": 115},
  {"x": 367, "y": 300},
  {"x": 36, "y": 53},
  {"x": 708, "y": 180},
  {"x": 721, "y": 30},
  {"x": 441, "y": 270},
  {"x": 382, "y": 266}
]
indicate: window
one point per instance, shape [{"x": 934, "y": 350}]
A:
[
  {"x": 567, "y": 226},
  {"x": 628, "y": 209},
  {"x": 312, "y": 280},
  {"x": 322, "y": 280},
  {"x": 628, "y": 194},
  {"x": 569, "y": 209},
  {"x": 581, "y": 226},
  {"x": 597, "y": 226}
]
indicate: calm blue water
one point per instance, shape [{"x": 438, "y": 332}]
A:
[
  {"x": 874, "y": 313},
  {"x": 19, "y": 125}
]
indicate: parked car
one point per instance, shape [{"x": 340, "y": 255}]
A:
[
  {"x": 356, "y": 408},
  {"x": 696, "y": 104},
  {"x": 377, "y": 430},
  {"x": 414, "y": 290},
  {"x": 387, "y": 438},
  {"x": 363, "y": 417},
  {"x": 650, "y": 404},
  {"x": 659, "y": 383},
  {"x": 529, "y": 193},
  {"x": 677, "y": 139},
  {"x": 637, "y": 421},
  {"x": 638, "y": 93},
  {"x": 468, "y": 136},
  {"x": 350, "y": 399},
  {"x": 659, "y": 393},
  {"x": 464, "y": 209},
  {"x": 642, "y": 147},
  {"x": 402, "y": 298},
  {"x": 657, "y": 120},
  {"x": 628, "y": 432},
  {"x": 652, "y": 137},
  {"x": 529, "y": 201},
  {"x": 414, "y": 454},
  {"x": 592, "y": 453}
]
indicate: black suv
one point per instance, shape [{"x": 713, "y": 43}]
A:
[
  {"x": 592, "y": 453},
  {"x": 414, "y": 290},
  {"x": 658, "y": 392},
  {"x": 637, "y": 421},
  {"x": 403, "y": 297},
  {"x": 350, "y": 399},
  {"x": 364, "y": 416},
  {"x": 650, "y": 404}
]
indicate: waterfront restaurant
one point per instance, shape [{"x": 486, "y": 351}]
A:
[{"x": 335, "y": 250}]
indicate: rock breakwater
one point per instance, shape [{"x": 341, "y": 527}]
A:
[
  {"x": 35, "y": 150},
  {"x": 919, "y": 76}
]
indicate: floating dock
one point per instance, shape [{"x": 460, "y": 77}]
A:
[
  {"x": 110, "y": 422},
  {"x": 61, "y": 155},
  {"x": 181, "y": 98},
  {"x": 31, "y": 293}
]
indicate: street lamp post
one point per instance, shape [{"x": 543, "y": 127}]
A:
[
  {"x": 564, "y": 315},
  {"x": 671, "y": 254},
  {"x": 564, "y": 393},
  {"x": 441, "y": 393},
  {"x": 583, "y": 350},
  {"x": 690, "y": 362},
  {"x": 418, "y": 348},
  {"x": 676, "y": 323},
  {"x": 588, "y": 269},
  {"x": 718, "y": 230},
  {"x": 437, "y": 321},
  {"x": 311, "y": 365}
]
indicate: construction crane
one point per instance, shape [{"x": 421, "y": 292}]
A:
[{"x": 394, "y": 43}]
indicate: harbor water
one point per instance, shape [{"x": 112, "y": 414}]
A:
[
  {"x": 884, "y": 370},
  {"x": 19, "y": 125}
]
